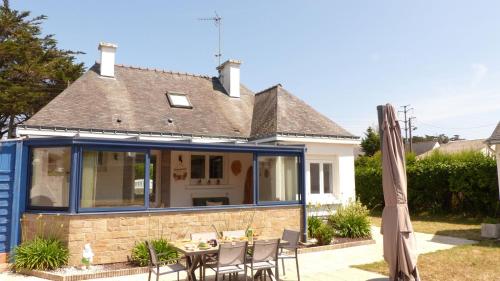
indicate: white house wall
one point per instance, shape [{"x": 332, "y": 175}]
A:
[
  {"x": 182, "y": 192},
  {"x": 498, "y": 165},
  {"x": 342, "y": 156}
]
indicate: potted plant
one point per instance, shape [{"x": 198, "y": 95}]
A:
[{"x": 490, "y": 228}]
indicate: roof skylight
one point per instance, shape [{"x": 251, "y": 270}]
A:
[{"x": 178, "y": 100}]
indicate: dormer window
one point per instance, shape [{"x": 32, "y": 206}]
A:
[{"x": 179, "y": 100}]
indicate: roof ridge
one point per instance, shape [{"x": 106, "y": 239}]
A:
[
  {"x": 269, "y": 88},
  {"x": 162, "y": 70}
]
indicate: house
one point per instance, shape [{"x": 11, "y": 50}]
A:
[
  {"x": 420, "y": 148},
  {"x": 458, "y": 146},
  {"x": 494, "y": 144},
  {"x": 126, "y": 152}
]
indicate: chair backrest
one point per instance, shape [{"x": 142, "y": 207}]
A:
[
  {"x": 153, "y": 260},
  {"x": 234, "y": 233},
  {"x": 232, "y": 253},
  {"x": 265, "y": 250},
  {"x": 292, "y": 237},
  {"x": 203, "y": 236}
]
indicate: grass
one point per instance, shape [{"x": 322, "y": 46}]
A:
[
  {"x": 476, "y": 262},
  {"x": 462, "y": 263},
  {"x": 455, "y": 226}
]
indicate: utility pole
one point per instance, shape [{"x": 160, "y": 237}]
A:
[
  {"x": 411, "y": 128},
  {"x": 406, "y": 109}
]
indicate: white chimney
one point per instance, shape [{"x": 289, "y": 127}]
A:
[
  {"x": 229, "y": 75},
  {"x": 108, "y": 51}
]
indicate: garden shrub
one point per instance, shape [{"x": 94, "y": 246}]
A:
[
  {"x": 40, "y": 254},
  {"x": 313, "y": 223},
  {"x": 140, "y": 253},
  {"x": 324, "y": 234},
  {"x": 464, "y": 183},
  {"x": 351, "y": 221}
]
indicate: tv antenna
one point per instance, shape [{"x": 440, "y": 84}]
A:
[{"x": 217, "y": 20}]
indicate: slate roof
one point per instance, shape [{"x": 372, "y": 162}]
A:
[
  {"x": 459, "y": 146},
  {"x": 422, "y": 147},
  {"x": 135, "y": 101},
  {"x": 495, "y": 136}
]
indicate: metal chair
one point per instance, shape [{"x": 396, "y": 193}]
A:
[
  {"x": 203, "y": 236},
  {"x": 234, "y": 233},
  {"x": 166, "y": 266},
  {"x": 264, "y": 257},
  {"x": 289, "y": 251},
  {"x": 230, "y": 260}
]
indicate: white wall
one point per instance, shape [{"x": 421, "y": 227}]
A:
[{"x": 182, "y": 192}]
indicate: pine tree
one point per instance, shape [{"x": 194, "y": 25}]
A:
[
  {"x": 371, "y": 142},
  {"x": 33, "y": 70}
]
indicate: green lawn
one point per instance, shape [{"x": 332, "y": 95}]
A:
[
  {"x": 456, "y": 226},
  {"x": 463, "y": 263}
]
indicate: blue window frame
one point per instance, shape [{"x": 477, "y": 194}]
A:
[{"x": 80, "y": 145}]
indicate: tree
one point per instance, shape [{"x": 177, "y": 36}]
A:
[
  {"x": 371, "y": 142},
  {"x": 33, "y": 70},
  {"x": 441, "y": 138}
]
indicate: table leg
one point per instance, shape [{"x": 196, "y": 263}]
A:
[{"x": 192, "y": 262}]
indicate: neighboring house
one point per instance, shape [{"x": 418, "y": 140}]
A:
[
  {"x": 458, "y": 146},
  {"x": 420, "y": 148},
  {"x": 494, "y": 144},
  {"x": 210, "y": 147}
]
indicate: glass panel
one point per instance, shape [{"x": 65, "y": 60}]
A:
[
  {"x": 216, "y": 167},
  {"x": 197, "y": 166},
  {"x": 278, "y": 178},
  {"x": 314, "y": 174},
  {"x": 327, "y": 178},
  {"x": 112, "y": 179},
  {"x": 50, "y": 174}
]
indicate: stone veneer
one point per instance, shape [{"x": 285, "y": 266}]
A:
[{"x": 112, "y": 236}]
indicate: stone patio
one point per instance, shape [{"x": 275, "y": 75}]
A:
[{"x": 333, "y": 265}]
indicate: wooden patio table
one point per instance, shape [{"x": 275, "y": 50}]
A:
[{"x": 194, "y": 257}]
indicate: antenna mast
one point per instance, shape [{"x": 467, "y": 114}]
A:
[{"x": 218, "y": 23}]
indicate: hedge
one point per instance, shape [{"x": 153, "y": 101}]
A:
[{"x": 464, "y": 183}]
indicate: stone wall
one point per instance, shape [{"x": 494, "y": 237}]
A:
[{"x": 112, "y": 236}]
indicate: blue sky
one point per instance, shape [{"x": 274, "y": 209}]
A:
[{"x": 342, "y": 57}]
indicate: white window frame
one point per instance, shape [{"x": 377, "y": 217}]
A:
[{"x": 322, "y": 197}]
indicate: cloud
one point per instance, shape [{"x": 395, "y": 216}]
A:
[{"x": 479, "y": 72}]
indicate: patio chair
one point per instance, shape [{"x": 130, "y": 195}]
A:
[
  {"x": 162, "y": 267},
  {"x": 230, "y": 260},
  {"x": 203, "y": 236},
  {"x": 264, "y": 257},
  {"x": 234, "y": 233},
  {"x": 289, "y": 251}
]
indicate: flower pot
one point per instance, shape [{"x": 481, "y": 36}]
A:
[{"x": 490, "y": 230}]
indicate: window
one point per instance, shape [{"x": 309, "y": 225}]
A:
[
  {"x": 178, "y": 100},
  {"x": 278, "y": 178},
  {"x": 321, "y": 177},
  {"x": 112, "y": 179},
  {"x": 207, "y": 169},
  {"x": 314, "y": 169},
  {"x": 197, "y": 166},
  {"x": 50, "y": 174},
  {"x": 327, "y": 178}
]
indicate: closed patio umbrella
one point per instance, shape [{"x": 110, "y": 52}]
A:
[{"x": 399, "y": 240}]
